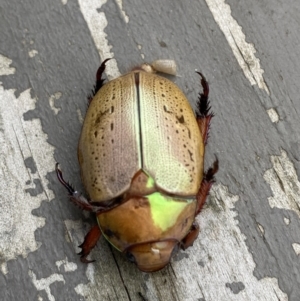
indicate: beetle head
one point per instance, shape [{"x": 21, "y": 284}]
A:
[{"x": 152, "y": 256}]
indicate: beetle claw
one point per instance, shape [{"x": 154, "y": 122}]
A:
[{"x": 99, "y": 80}]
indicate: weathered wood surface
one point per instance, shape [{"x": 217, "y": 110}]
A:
[{"x": 249, "y": 51}]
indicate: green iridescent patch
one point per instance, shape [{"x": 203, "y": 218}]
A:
[{"x": 165, "y": 210}]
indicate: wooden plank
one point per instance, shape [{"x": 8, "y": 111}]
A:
[{"x": 249, "y": 247}]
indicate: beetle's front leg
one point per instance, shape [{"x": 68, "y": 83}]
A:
[
  {"x": 89, "y": 243},
  {"x": 76, "y": 197},
  {"x": 203, "y": 110},
  {"x": 207, "y": 181}
]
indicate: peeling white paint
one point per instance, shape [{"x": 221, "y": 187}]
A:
[
  {"x": 244, "y": 52},
  {"x": 296, "y": 248},
  {"x": 261, "y": 229},
  {"x": 97, "y": 22},
  {"x": 5, "y": 68},
  {"x": 220, "y": 231},
  {"x": 79, "y": 115},
  {"x": 44, "y": 283},
  {"x": 284, "y": 184},
  {"x": 123, "y": 13},
  {"x": 67, "y": 265},
  {"x": 32, "y": 53},
  {"x": 52, "y": 100},
  {"x": 21, "y": 140},
  {"x": 142, "y": 54},
  {"x": 273, "y": 115}
]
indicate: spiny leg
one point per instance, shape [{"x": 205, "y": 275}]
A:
[
  {"x": 204, "y": 117},
  {"x": 89, "y": 243},
  {"x": 206, "y": 184},
  {"x": 203, "y": 114},
  {"x": 76, "y": 197},
  {"x": 99, "y": 80},
  {"x": 94, "y": 234},
  {"x": 207, "y": 181}
]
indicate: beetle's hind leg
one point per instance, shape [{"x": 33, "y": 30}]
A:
[
  {"x": 89, "y": 243},
  {"x": 99, "y": 80},
  {"x": 203, "y": 113},
  {"x": 207, "y": 181}
]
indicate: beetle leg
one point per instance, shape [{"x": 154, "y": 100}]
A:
[
  {"x": 203, "y": 113},
  {"x": 89, "y": 243},
  {"x": 99, "y": 80},
  {"x": 189, "y": 239},
  {"x": 206, "y": 184},
  {"x": 76, "y": 197}
]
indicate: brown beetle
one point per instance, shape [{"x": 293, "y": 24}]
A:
[{"x": 141, "y": 154}]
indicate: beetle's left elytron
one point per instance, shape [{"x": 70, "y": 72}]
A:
[{"x": 141, "y": 154}]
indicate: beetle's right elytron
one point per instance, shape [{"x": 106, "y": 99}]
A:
[{"x": 141, "y": 154}]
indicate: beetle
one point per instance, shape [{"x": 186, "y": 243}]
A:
[{"x": 141, "y": 155}]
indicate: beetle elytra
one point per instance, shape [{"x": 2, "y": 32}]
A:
[{"x": 141, "y": 154}]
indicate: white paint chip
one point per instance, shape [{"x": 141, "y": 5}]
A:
[
  {"x": 79, "y": 115},
  {"x": 261, "y": 229},
  {"x": 5, "y": 69},
  {"x": 123, "y": 13},
  {"x": 287, "y": 221},
  {"x": 32, "y": 53},
  {"x": 97, "y": 22},
  {"x": 273, "y": 115},
  {"x": 68, "y": 266},
  {"x": 52, "y": 100},
  {"x": 44, "y": 283},
  {"x": 21, "y": 140},
  {"x": 284, "y": 184},
  {"x": 296, "y": 248},
  {"x": 244, "y": 52}
]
